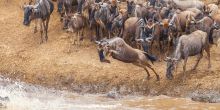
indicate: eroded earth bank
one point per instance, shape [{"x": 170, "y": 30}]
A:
[{"x": 52, "y": 65}]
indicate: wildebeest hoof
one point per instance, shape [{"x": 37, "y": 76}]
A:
[
  {"x": 193, "y": 70},
  {"x": 170, "y": 77},
  {"x": 148, "y": 78},
  {"x": 35, "y": 31},
  {"x": 41, "y": 42},
  {"x": 158, "y": 78},
  {"x": 81, "y": 38},
  {"x": 106, "y": 61}
]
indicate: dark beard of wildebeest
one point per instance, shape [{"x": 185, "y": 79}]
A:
[
  {"x": 189, "y": 45},
  {"x": 41, "y": 10},
  {"x": 118, "y": 49}
]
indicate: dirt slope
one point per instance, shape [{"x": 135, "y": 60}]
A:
[{"x": 50, "y": 64}]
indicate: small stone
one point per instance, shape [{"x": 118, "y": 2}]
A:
[{"x": 113, "y": 95}]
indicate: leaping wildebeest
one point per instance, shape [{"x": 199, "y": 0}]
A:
[
  {"x": 118, "y": 49},
  {"x": 42, "y": 11},
  {"x": 188, "y": 45}
]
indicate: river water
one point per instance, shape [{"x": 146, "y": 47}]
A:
[{"x": 24, "y": 96}]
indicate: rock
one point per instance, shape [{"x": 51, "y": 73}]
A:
[
  {"x": 4, "y": 98},
  {"x": 3, "y": 101},
  {"x": 113, "y": 95},
  {"x": 210, "y": 97}
]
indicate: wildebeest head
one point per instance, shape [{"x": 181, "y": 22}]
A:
[
  {"x": 66, "y": 20},
  {"x": 130, "y": 6},
  {"x": 171, "y": 65},
  {"x": 105, "y": 46},
  {"x": 28, "y": 13},
  {"x": 189, "y": 21}
]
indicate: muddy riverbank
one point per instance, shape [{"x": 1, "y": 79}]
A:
[{"x": 52, "y": 64}]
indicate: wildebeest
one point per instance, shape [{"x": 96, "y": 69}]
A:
[
  {"x": 42, "y": 11},
  {"x": 160, "y": 35},
  {"x": 216, "y": 36},
  {"x": 188, "y": 45},
  {"x": 198, "y": 14},
  {"x": 137, "y": 10},
  {"x": 184, "y": 4},
  {"x": 99, "y": 14},
  {"x": 181, "y": 21},
  {"x": 205, "y": 24},
  {"x": 75, "y": 23},
  {"x": 64, "y": 6},
  {"x": 118, "y": 22},
  {"x": 118, "y": 49},
  {"x": 211, "y": 9},
  {"x": 133, "y": 28},
  {"x": 131, "y": 7}
]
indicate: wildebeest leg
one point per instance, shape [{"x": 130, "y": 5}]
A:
[
  {"x": 78, "y": 37},
  {"x": 143, "y": 66},
  {"x": 168, "y": 45},
  {"x": 207, "y": 49},
  {"x": 35, "y": 25},
  {"x": 73, "y": 38},
  {"x": 149, "y": 66},
  {"x": 158, "y": 77},
  {"x": 45, "y": 30},
  {"x": 47, "y": 23},
  {"x": 121, "y": 32},
  {"x": 109, "y": 34},
  {"x": 97, "y": 32},
  {"x": 160, "y": 49},
  {"x": 184, "y": 68},
  {"x": 199, "y": 57},
  {"x": 151, "y": 45},
  {"x": 41, "y": 30},
  {"x": 81, "y": 38}
]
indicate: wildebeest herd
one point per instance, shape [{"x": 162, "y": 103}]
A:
[{"x": 180, "y": 28}]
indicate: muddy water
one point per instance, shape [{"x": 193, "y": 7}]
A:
[{"x": 23, "y": 96}]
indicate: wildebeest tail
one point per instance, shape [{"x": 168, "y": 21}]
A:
[{"x": 152, "y": 58}]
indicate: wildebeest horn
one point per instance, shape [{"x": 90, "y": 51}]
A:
[
  {"x": 175, "y": 59},
  {"x": 139, "y": 40},
  {"x": 98, "y": 42},
  {"x": 24, "y": 6},
  {"x": 167, "y": 58}
]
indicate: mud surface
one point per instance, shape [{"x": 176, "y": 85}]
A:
[{"x": 55, "y": 64}]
